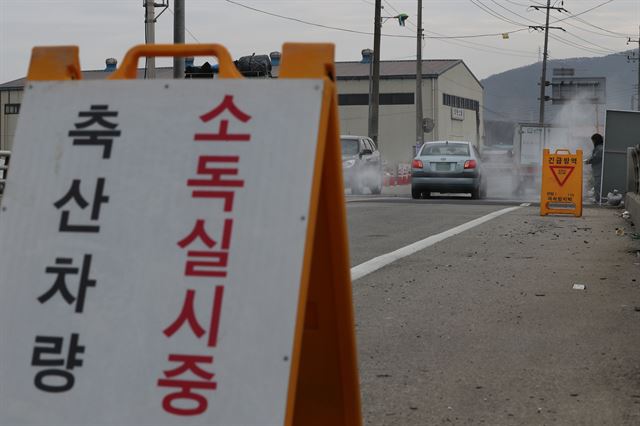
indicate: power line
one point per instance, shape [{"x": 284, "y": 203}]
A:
[
  {"x": 473, "y": 45},
  {"x": 598, "y": 46},
  {"x": 314, "y": 24},
  {"x": 593, "y": 32},
  {"x": 187, "y": 29},
  {"x": 349, "y": 30},
  {"x": 495, "y": 14},
  {"x": 515, "y": 13},
  {"x": 522, "y": 4},
  {"x": 601, "y": 49},
  {"x": 568, "y": 23},
  {"x": 604, "y": 49},
  {"x": 466, "y": 44},
  {"x": 576, "y": 17},
  {"x": 600, "y": 28},
  {"x": 486, "y": 48},
  {"x": 580, "y": 46}
]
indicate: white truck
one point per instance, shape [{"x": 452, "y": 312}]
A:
[{"x": 529, "y": 142}]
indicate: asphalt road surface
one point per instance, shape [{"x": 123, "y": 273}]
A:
[{"x": 484, "y": 327}]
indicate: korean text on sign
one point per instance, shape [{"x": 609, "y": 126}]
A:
[{"x": 206, "y": 250}]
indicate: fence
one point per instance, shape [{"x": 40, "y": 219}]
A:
[
  {"x": 5, "y": 156},
  {"x": 633, "y": 169}
]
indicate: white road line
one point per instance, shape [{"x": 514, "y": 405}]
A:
[
  {"x": 376, "y": 263},
  {"x": 358, "y": 200}
]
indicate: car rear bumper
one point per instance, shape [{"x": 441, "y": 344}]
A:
[{"x": 441, "y": 184}]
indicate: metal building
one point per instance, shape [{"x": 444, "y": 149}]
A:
[{"x": 452, "y": 102}]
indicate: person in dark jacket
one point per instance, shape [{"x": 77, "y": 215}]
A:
[{"x": 596, "y": 164}]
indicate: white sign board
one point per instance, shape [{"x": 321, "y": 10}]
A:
[
  {"x": 152, "y": 237},
  {"x": 457, "y": 113},
  {"x": 531, "y": 141}
]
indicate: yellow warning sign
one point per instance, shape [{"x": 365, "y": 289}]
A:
[{"x": 561, "y": 183}]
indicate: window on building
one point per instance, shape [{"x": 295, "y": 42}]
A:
[
  {"x": 458, "y": 102},
  {"x": 353, "y": 99},
  {"x": 385, "y": 99},
  {"x": 397, "y": 98},
  {"x": 11, "y": 108}
]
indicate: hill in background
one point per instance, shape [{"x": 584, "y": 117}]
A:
[{"x": 512, "y": 96}]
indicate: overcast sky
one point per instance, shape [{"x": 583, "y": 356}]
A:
[{"x": 107, "y": 28}]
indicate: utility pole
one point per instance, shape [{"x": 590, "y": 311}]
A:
[
  {"x": 545, "y": 54},
  {"x": 374, "y": 100},
  {"x": 637, "y": 59},
  {"x": 178, "y": 36},
  {"x": 543, "y": 79},
  {"x": 150, "y": 35},
  {"x": 419, "y": 117}
]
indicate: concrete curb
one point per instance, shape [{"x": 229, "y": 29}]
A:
[{"x": 632, "y": 204}]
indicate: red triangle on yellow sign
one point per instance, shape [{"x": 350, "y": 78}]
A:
[{"x": 561, "y": 173}]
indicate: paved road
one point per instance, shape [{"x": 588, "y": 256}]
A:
[
  {"x": 485, "y": 328},
  {"x": 378, "y": 228}
]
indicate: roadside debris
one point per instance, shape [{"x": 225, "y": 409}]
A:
[
  {"x": 619, "y": 232},
  {"x": 614, "y": 198},
  {"x": 625, "y": 214},
  {"x": 579, "y": 286}
]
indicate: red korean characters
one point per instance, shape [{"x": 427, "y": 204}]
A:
[{"x": 206, "y": 247}]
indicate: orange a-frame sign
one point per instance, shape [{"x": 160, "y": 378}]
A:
[
  {"x": 561, "y": 191},
  {"x": 323, "y": 385}
]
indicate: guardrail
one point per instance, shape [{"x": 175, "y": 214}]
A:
[
  {"x": 5, "y": 156},
  {"x": 633, "y": 169}
]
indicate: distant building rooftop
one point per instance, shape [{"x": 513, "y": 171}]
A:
[
  {"x": 394, "y": 69},
  {"x": 431, "y": 68}
]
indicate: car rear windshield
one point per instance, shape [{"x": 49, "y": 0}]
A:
[
  {"x": 349, "y": 146},
  {"x": 461, "y": 149}
]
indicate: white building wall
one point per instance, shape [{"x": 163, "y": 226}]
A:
[
  {"x": 397, "y": 134},
  {"x": 354, "y": 118},
  {"x": 396, "y": 123},
  {"x": 8, "y": 122},
  {"x": 458, "y": 81}
]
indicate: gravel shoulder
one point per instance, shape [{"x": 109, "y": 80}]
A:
[{"x": 485, "y": 327}]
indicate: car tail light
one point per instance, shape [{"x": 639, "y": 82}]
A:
[
  {"x": 470, "y": 164},
  {"x": 417, "y": 164}
]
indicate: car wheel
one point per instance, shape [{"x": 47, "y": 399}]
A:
[
  {"x": 483, "y": 191},
  {"x": 475, "y": 193},
  {"x": 416, "y": 194}
]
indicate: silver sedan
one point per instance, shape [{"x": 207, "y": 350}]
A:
[{"x": 446, "y": 167}]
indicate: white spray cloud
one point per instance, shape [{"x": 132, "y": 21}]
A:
[{"x": 572, "y": 127}]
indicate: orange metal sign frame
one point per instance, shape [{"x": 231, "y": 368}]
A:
[
  {"x": 561, "y": 191},
  {"x": 323, "y": 381}
]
